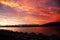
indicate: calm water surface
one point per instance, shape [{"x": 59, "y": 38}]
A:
[{"x": 44, "y": 30}]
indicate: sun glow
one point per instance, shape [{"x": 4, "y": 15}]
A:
[
  {"x": 8, "y": 22},
  {"x": 28, "y": 12}
]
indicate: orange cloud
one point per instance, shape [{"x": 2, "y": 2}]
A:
[{"x": 29, "y": 12}]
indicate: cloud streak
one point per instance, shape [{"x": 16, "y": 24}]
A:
[{"x": 29, "y": 11}]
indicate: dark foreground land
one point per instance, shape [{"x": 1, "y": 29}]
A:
[
  {"x": 10, "y": 35},
  {"x": 52, "y": 24}
]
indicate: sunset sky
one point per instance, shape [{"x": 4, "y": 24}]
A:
[{"x": 13, "y": 12}]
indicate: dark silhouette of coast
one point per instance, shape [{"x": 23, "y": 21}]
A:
[
  {"x": 10, "y": 35},
  {"x": 52, "y": 24}
]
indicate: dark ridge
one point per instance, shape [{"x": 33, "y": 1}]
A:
[
  {"x": 10, "y": 35},
  {"x": 52, "y": 24}
]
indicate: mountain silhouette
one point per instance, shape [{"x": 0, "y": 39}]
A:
[{"x": 52, "y": 24}]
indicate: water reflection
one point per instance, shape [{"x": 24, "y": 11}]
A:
[{"x": 44, "y": 30}]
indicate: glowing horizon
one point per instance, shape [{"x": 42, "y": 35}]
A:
[{"x": 28, "y": 12}]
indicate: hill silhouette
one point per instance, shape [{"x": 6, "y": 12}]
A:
[{"x": 52, "y": 24}]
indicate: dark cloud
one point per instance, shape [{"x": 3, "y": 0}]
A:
[
  {"x": 6, "y": 8},
  {"x": 6, "y": 11},
  {"x": 54, "y": 3}
]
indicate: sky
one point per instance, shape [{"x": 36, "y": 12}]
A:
[{"x": 14, "y": 12}]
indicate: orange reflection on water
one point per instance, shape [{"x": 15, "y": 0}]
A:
[{"x": 44, "y": 30}]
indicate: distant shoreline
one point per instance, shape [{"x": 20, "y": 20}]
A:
[{"x": 52, "y": 24}]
